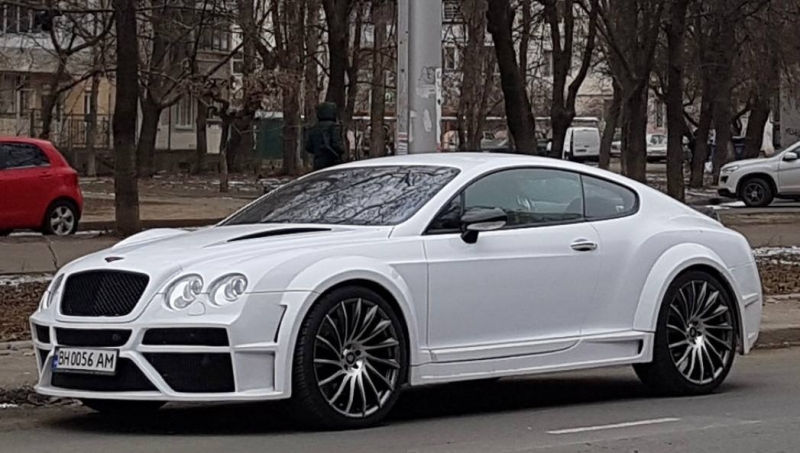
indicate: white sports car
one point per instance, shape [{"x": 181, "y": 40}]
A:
[{"x": 347, "y": 285}]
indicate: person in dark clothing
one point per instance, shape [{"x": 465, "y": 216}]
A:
[{"x": 324, "y": 140}]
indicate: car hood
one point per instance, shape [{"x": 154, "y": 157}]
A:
[{"x": 166, "y": 252}]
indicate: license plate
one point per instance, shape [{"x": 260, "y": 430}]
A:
[{"x": 88, "y": 361}]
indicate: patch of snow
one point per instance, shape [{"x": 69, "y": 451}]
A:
[
  {"x": 765, "y": 252},
  {"x": 8, "y": 406},
  {"x": 21, "y": 279}
]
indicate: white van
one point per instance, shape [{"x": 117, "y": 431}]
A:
[{"x": 581, "y": 144}]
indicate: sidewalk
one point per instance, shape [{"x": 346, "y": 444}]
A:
[{"x": 780, "y": 327}]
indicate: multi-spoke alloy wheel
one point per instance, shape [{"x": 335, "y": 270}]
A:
[
  {"x": 756, "y": 192},
  {"x": 700, "y": 332},
  {"x": 350, "y": 360},
  {"x": 695, "y": 341}
]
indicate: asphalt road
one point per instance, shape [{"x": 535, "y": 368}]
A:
[{"x": 757, "y": 410}]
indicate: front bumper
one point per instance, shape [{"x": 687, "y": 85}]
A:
[{"x": 241, "y": 354}]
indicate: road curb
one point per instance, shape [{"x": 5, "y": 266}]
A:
[{"x": 16, "y": 345}]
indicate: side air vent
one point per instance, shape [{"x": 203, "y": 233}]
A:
[{"x": 281, "y": 232}]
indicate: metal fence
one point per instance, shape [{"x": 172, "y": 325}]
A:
[{"x": 67, "y": 131}]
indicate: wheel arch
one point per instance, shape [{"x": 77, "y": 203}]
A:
[
  {"x": 62, "y": 198},
  {"x": 758, "y": 175},
  {"x": 355, "y": 271},
  {"x": 674, "y": 262}
]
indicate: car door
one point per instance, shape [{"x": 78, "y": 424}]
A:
[
  {"x": 517, "y": 287},
  {"x": 611, "y": 208},
  {"x": 26, "y": 184},
  {"x": 789, "y": 175}
]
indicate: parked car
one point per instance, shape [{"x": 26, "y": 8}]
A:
[
  {"x": 581, "y": 144},
  {"x": 759, "y": 181},
  {"x": 656, "y": 147},
  {"x": 344, "y": 287},
  {"x": 39, "y": 189}
]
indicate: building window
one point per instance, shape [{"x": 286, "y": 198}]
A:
[
  {"x": 8, "y": 94},
  {"x": 547, "y": 63},
  {"x": 451, "y": 10},
  {"x": 184, "y": 113},
  {"x": 16, "y": 19},
  {"x": 214, "y": 37},
  {"x": 450, "y": 58}
]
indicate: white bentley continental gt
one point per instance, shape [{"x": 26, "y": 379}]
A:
[{"x": 342, "y": 288}]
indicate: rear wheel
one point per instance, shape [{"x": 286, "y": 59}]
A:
[
  {"x": 61, "y": 219},
  {"x": 695, "y": 341},
  {"x": 756, "y": 192},
  {"x": 350, "y": 360},
  {"x": 116, "y": 408}
]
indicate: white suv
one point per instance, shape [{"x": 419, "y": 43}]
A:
[{"x": 758, "y": 182}]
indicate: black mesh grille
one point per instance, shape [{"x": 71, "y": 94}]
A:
[
  {"x": 102, "y": 293},
  {"x": 100, "y": 338},
  {"x": 127, "y": 379},
  {"x": 195, "y": 373},
  {"x": 42, "y": 333},
  {"x": 187, "y": 337}
]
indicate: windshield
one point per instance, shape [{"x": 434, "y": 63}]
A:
[{"x": 364, "y": 196}]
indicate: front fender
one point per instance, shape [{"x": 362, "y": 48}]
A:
[
  {"x": 671, "y": 263},
  {"x": 328, "y": 273}
]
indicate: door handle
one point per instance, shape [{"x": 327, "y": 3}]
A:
[{"x": 584, "y": 245}]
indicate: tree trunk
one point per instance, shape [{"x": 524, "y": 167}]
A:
[
  {"x": 476, "y": 72},
  {"x": 91, "y": 128},
  {"x": 611, "y": 128},
  {"x": 676, "y": 34},
  {"x": 311, "y": 78},
  {"x": 380, "y": 17},
  {"x": 126, "y": 189},
  {"x": 759, "y": 115},
  {"x": 525, "y": 39},
  {"x": 148, "y": 132},
  {"x": 201, "y": 135},
  {"x": 500, "y": 19},
  {"x": 223, "y": 148},
  {"x": 50, "y": 99},
  {"x": 634, "y": 149},
  {"x": 337, "y": 13}
]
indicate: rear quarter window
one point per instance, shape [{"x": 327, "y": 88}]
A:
[{"x": 605, "y": 200}]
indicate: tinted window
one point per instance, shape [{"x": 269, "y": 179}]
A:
[
  {"x": 21, "y": 155},
  {"x": 530, "y": 197},
  {"x": 355, "y": 196},
  {"x": 606, "y": 200}
]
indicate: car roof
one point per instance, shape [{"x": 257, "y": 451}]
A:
[{"x": 29, "y": 140}]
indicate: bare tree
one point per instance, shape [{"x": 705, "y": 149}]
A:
[
  {"x": 631, "y": 33},
  {"x": 521, "y": 123},
  {"x": 676, "y": 40},
  {"x": 381, "y": 14},
  {"x": 337, "y": 17},
  {"x": 477, "y": 75},
  {"x": 564, "y": 26}
]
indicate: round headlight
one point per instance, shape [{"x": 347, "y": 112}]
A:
[
  {"x": 228, "y": 289},
  {"x": 53, "y": 293},
  {"x": 184, "y": 292}
]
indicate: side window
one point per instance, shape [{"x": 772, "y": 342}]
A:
[
  {"x": 606, "y": 200},
  {"x": 530, "y": 197},
  {"x": 21, "y": 155}
]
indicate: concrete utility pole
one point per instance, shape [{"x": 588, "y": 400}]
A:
[{"x": 419, "y": 76}]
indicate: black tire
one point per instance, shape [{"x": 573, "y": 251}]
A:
[
  {"x": 756, "y": 192},
  {"x": 664, "y": 375},
  {"x": 310, "y": 405},
  {"x": 57, "y": 208},
  {"x": 123, "y": 409}
]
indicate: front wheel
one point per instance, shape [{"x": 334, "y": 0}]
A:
[
  {"x": 756, "y": 193},
  {"x": 127, "y": 409},
  {"x": 350, "y": 360},
  {"x": 695, "y": 340}
]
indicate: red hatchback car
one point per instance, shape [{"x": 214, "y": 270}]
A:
[{"x": 38, "y": 188}]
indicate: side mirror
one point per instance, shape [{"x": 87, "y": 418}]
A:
[
  {"x": 478, "y": 220},
  {"x": 790, "y": 157}
]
